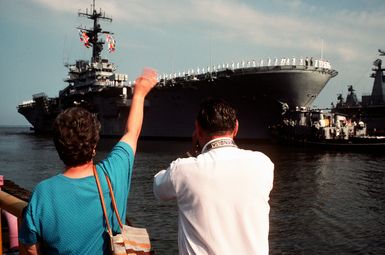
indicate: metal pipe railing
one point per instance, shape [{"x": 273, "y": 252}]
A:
[{"x": 12, "y": 205}]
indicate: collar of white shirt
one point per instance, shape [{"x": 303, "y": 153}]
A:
[{"x": 219, "y": 142}]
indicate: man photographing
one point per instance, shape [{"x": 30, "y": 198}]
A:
[{"x": 222, "y": 193}]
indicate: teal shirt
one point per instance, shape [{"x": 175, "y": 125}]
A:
[{"x": 65, "y": 215}]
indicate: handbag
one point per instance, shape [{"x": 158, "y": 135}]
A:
[{"x": 131, "y": 240}]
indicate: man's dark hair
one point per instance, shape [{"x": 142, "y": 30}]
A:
[
  {"x": 216, "y": 116},
  {"x": 76, "y": 134}
]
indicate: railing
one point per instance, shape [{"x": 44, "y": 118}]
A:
[
  {"x": 311, "y": 63},
  {"x": 12, "y": 205}
]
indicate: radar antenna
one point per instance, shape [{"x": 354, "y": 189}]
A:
[{"x": 97, "y": 45}]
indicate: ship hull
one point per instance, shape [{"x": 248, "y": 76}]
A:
[
  {"x": 258, "y": 94},
  {"x": 41, "y": 113},
  {"x": 41, "y": 123}
]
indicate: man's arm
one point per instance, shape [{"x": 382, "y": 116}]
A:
[
  {"x": 143, "y": 85},
  {"x": 163, "y": 188}
]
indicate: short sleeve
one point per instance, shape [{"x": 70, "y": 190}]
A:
[
  {"x": 118, "y": 166},
  {"x": 163, "y": 187},
  {"x": 28, "y": 233}
]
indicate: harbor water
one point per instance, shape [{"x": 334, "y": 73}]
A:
[{"x": 323, "y": 202}]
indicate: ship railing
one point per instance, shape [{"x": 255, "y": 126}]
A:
[
  {"x": 26, "y": 104},
  {"x": 10, "y": 205},
  {"x": 262, "y": 64}
]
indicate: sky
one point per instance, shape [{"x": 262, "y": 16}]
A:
[{"x": 40, "y": 36}]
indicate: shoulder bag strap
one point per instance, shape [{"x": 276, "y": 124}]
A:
[
  {"x": 113, "y": 202},
  {"x": 112, "y": 199},
  {"x": 102, "y": 201}
]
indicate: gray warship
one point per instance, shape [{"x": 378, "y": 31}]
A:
[
  {"x": 371, "y": 108},
  {"x": 260, "y": 91}
]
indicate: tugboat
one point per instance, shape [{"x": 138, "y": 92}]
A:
[
  {"x": 371, "y": 108},
  {"x": 260, "y": 90},
  {"x": 325, "y": 129}
]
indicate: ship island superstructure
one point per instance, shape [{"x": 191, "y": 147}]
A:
[{"x": 260, "y": 91}]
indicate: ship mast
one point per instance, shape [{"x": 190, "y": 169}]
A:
[{"x": 97, "y": 46}]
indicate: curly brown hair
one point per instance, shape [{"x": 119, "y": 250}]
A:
[{"x": 76, "y": 134}]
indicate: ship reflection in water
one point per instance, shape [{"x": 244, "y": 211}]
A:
[{"x": 323, "y": 202}]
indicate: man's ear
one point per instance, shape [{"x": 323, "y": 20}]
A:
[
  {"x": 200, "y": 134},
  {"x": 198, "y": 130},
  {"x": 235, "y": 132},
  {"x": 196, "y": 127}
]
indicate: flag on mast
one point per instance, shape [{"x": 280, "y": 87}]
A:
[
  {"x": 84, "y": 38},
  {"x": 111, "y": 43}
]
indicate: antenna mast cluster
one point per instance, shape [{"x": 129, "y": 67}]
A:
[{"x": 93, "y": 34}]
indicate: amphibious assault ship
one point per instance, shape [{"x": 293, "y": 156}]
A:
[
  {"x": 371, "y": 108},
  {"x": 260, "y": 91}
]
